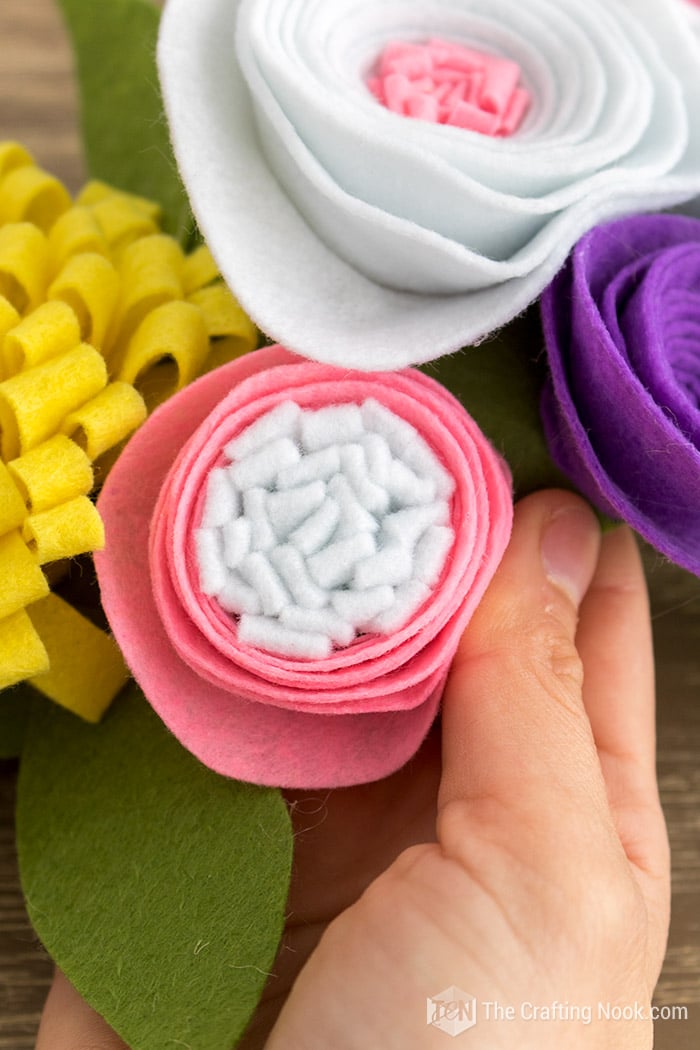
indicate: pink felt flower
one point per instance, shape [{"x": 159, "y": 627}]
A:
[{"x": 292, "y": 553}]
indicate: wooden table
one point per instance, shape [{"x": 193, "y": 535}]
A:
[{"x": 37, "y": 105}]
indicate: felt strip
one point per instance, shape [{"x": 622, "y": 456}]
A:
[
  {"x": 366, "y": 252},
  {"x": 106, "y": 420},
  {"x": 446, "y": 83},
  {"x": 90, "y": 285},
  {"x": 8, "y": 319},
  {"x": 140, "y": 843},
  {"x": 13, "y": 155},
  {"x": 621, "y": 406},
  {"x": 28, "y": 194},
  {"x": 64, "y": 531},
  {"x": 174, "y": 333},
  {"x": 23, "y": 265},
  {"x": 22, "y": 652},
  {"x": 54, "y": 472},
  {"x": 85, "y": 669},
  {"x": 349, "y": 717},
  {"x": 12, "y": 506},
  {"x": 122, "y": 221},
  {"x": 50, "y": 330},
  {"x": 21, "y": 579},
  {"x": 33, "y": 404},
  {"x": 224, "y": 316},
  {"x": 75, "y": 232},
  {"x": 151, "y": 275},
  {"x": 198, "y": 270}
]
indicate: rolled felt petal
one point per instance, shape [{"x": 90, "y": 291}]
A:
[
  {"x": 621, "y": 415},
  {"x": 407, "y": 239},
  {"x": 283, "y": 663}
]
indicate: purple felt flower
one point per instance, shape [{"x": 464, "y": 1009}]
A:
[{"x": 622, "y": 408}]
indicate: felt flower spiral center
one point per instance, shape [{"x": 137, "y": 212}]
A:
[
  {"x": 318, "y": 526},
  {"x": 446, "y": 83}
]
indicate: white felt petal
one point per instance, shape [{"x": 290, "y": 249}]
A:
[
  {"x": 286, "y": 510},
  {"x": 212, "y": 570},
  {"x": 269, "y": 634},
  {"x": 301, "y": 289},
  {"x": 222, "y": 500},
  {"x": 281, "y": 422},
  {"x": 238, "y": 597},
  {"x": 335, "y": 564},
  {"x": 237, "y": 541},
  {"x": 322, "y": 621},
  {"x": 260, "y": 468},
  {"x": 262, "y": 536}
]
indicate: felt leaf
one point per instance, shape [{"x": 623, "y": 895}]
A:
[
  {"x": 14, "y": 712},
  {"x": 499, "y": 383},
  {"x": 158, "y": 886},
  {"x": 124, "y": 131}
]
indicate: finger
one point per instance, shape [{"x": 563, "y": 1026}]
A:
[
  {"x": 615, "y": 643},
  {"x": 515, "y": 731},
  {"x": 68, "y": 1023}
]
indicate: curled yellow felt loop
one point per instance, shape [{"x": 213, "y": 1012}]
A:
[
  {"x": 22, "y": 652},
  {"x": 24, "y": 256},
  {"x": 95, "y": 191},
  {"x": 199, "y": 270},
  {"x": 223, "y": 315},
  {"x": 28, "y": 194},
  {"x": 75, "y": 232},
  {"x": 122, "y": 222},
  {"x": 13, "y": 155},
  {"x": 65, "y": 531},
  {"x": 151, "y": 275},
  {"x": 12, "y": 506},
  {"x": 89, "y": 284},
  {"x": 48, "y": 331},
  {"x": 87, "y": 669},
  {"x": 166, "y": 352},
  {"x": 33, "y": 404},
  {"x": 21, "y": 579},
  {"x": 9, "y": 318},
  {"x": 52, "y": 473},
  {"x": 106, "y": 420}
]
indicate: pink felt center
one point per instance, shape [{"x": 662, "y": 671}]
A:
[{"x": 447, "y": 83}]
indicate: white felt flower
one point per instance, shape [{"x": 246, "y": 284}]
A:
[{"x": 365, "y": 238}]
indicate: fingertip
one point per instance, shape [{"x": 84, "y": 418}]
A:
[{"x": 69, "y": 1023}]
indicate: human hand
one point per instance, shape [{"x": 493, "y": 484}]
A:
[{"x": 545, "y": 875}]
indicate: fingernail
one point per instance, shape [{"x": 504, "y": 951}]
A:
[{"x": 569, "y": 550}]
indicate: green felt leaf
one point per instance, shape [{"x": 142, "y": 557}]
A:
[
  {"x": 15, "y": 705},
  {"x": 158, "y": 886},
  {"x": 123, "y": 124},
  {"x": 499, "y": 384}
]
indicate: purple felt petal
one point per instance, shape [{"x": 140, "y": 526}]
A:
[{"x": 620, "y": 411}]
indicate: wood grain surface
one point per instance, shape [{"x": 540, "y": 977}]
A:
[{"x": 37, "y": 105}]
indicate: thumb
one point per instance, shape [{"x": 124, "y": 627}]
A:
[
  {"x": 514, "y": 724},
  {"x": 68, "y": 1023}
]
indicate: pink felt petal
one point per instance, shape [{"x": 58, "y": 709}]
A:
[{"x": 352, "y": 718}]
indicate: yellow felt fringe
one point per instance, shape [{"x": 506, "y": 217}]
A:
[
  {"x": 48, "y": 331},
  {"x": 97, "y": 307},
  {"x": 21, "y": 579},
  {"x": 52, "y": 473},
  {"x": 22, "y": 652},
  {"x": 64, "y": 531},
  {"x": 107, "y": 420},
  {"x": 12, "y": 506},
  {"x": 87, "y": 669}
]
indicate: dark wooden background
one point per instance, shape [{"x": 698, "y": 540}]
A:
[{"x": 37, "y": 104}]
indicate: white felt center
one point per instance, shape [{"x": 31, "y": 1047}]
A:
[{"x": 324, "y": 525}]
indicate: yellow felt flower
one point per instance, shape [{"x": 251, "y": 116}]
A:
[{"x": 102, "y": 317}]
